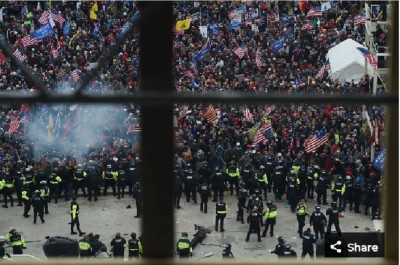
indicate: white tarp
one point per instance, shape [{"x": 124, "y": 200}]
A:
[{"x": 347, "y": 62}]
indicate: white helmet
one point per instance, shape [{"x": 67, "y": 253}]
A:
[{"x": 2, "y": 239}]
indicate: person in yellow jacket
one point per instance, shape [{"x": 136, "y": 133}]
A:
[
  {"x": 183, "y": 247},
  {"x": 16, "y": 240},
  {"x": 85, "y": 249},
  {"x": 262, "y": 180},
  {"x": 26, "y": 200},
  {"x": 110, "y": 177},
  {"x": 270, "y": 215},
  {"x": 75, "y": 217},
  {"x": 301, "y": 216},
  {"x": 54, "y": 181},
  {"x": 233, "y": 175},
  {"x": 8, "y": 189}
]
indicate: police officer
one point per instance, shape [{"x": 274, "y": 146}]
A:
[
  {"x": 93, "y": 180},
  {"x": 178, "y": 191},
  {"x": 205, "y": 173},
  {"x": 322, "y": 181},
  {"x": 262, "y": 180},
  {"x": 17, "y": 241},
  {"x": 270, "y": 218},
  {"x": 369, "y": 191},
  {"x": 220, "y": 210},
  {"x": 205, "y": 193},
  {"x": 218, "y": 182},
  {"x": 75, "y": 217},
  {"x": 121, "y": 180},
  {"x": 54, "y": 181},
  {"x": 109, "y": 176},
  {"x": 255, "y": 199},
  {"x": 85, "y": 249},
  {"x": 255, "y": 221},
  {"x": 28, "y": 179},
  {"x": 348, "y": 193},
  {"x": 308, "y": 244},
  {"x": 227, "y": 251},
  {"x": 279, "y": 181},
  {"x": 288, "y": 252},
  {"x": 269, "y": 170},
  {"x": 134, "y": 247},
  {"x": 242, "y": 199},
  {"x": 376, "y": 198},
  {"x": 44, "y": 193},
  {"x": 79, "y": 180},
  {"x": 190, "y": 184},
  {"x": 137, "y": 195},
  {"x": 318, "y": 222},
  {"x": 246, "y": 174},
  {"x": 357, "y": 195},
  {"x": 233, "y": 175},
  {"x": 183, "y": 247},
  {"x": 280, "y": 247},
  {"x": 96, "y": 244},
  {"x": 18, "y": 184},
  {"x": 333, "y": 213},
  {"x": 302, "y": 176},
  {"x": 39, "y": 176},
  {"x": 8, "y": 189},
  {"x": 132, "y": 175},
  {"x": 25, "y": 194},
  {"x": 292, "y": 190},
  {"x": 338, "y": 190},
  {"x": 38, "y": 206},
  {"x": 301, "y": 216},
  {"x": 118, "y": 246}
]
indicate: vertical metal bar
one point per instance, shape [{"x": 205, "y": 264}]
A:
[
  {"x": 391, "y": 173},
  {"x": 157, "y": 132}
]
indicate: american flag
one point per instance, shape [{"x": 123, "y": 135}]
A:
[
  {"x": 58, "y": 18},
  {"x": 14, "y": 125},
  {"x": 28, "y": 41},
  {"x": 259, "y": 62},
  {"x": 307, "y": 26},
  {"x": 273, "y": 17},
  {"x": 324, "y": 69},
  {"x": 44, "y": 17},
  {"x": 211, "y": 114},
  {"x": 370, "y": 57},
  {"x": 313, "y": 13},
  {"x": 248, "y": 115},
  {"x": 315, "y": 141},
  {"x": 20, "y": 56},
  {"x": 75, "y": 75},
  {"x": 268, "y": 109},
  {"x": 134, "y": 128},
  {"x": 360, "y": 20},
  {"x": 55, "y": 53},
  {"x": 241, "y": 52},
  {"x": 260, "y": 135},
  {"x": 3, "y": 59}
]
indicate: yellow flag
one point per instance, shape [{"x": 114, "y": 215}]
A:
[
  {"x": 182, "y": 25},
  {"x": 72, "y": 39},
  {"x": 50, "y": 129},
  {"x": 93, "y": 11}
]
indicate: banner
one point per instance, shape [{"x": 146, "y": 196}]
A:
[
  {"x": 278, "y": 44},
  {"x": 252, "y": 14},
  {"x": 43, "y": 32},
  {"x": 379, "y": 161},
  {"x": 203, "y": 31},
  {"x": 238, "y": 11},
  {"x": 213, "y": 28},
  {"x": 195, "y": 16},
  {"x": 182, "y": 25},
  {"x": 203, "y": 52}
]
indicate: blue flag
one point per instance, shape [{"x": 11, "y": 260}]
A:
[
  {"x": 287, "y": 19},
  {"x": 194, "y": 84},
  {"x": 66, "y": 28},
  {"x": 203, "y": 52},
  {"x": 278, "y": 44},
  {"x": 43, "y": 31},
  {"x": 298, "y": 80},
  {"x": 96, "y": 31},
  {"x": 290, "y": 32},
  {"x": 213, "y": 28},
  {"x": 379, "y": 160},
  {"x": 235, "y": 24},
  {"x": 135, "y": 17}
]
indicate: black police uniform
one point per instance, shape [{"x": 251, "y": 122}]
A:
[
  {"x": 93, "y": 182},
  {"x": 292, "y": 192},
  {"x": 38, "y": 207},
  {"x": 220, "y": 211},
  {"x": 368, "y": 196},
  {"x": 121, "y": 182},
  {"x": 318, "y": 222},
  {"x": 178, "y": 191},
  {"x": 134, "y": 248},
  {"x": 322, "y": 180},
  {"x": 348, "y": 195},
  {"x": 132, "y": 177},
  {"x": 255, "y": 220},
  {"x": 218, "y": 185},
  {"x": 333, "y": 214},
  {"x": 308, "y": 244},
  {"x": 137, "y": 194},
  {"x": 242, "y": 199},
  {"x": 357, "y": 195},
  {"x": 279, "y": 184},
  {"x": 205, "y": 193},
  {"x": 7, "y": 191},
  {"x": 118, "y": 245},
  {"x": 190, "y": 185},
  {"x": 376, "y": 198},
  {"x": 18, "y": 184}
]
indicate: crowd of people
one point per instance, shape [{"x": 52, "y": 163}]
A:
[{"x": 212, "y": 158}]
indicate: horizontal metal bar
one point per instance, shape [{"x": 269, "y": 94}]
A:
[{"x": 158, "y": 98}]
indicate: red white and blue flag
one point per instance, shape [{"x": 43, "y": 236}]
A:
[
  {"x": 20, "y": 56},
  {"x": 262, "y": 132},
  {"x": 315, "y": 141},
  {"x": 248, "y": 116},
  {"x": 370, "y": 57}
]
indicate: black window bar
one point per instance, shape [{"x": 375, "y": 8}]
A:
[{"x": 157, "y": 98}]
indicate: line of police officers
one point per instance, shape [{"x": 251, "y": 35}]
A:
[{"x": 37, "y": 188}]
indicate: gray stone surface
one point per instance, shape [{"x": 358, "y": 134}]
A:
[{"x": 109, "y": 215}]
